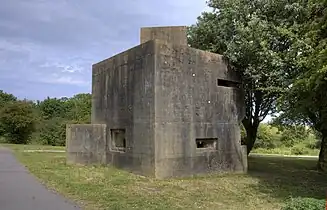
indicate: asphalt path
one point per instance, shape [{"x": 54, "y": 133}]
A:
[{"x": 19, "y": 190}]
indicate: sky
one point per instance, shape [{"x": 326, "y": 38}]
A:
[{"x": 47, "y": 47}]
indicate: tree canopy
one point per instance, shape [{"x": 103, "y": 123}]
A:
[
  {"x": 305, "y": 101},
  {"x": 257, "y": 38}
]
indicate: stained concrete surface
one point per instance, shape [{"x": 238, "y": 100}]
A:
[
  {"x": 178, "y": 109},
  {"x": 19, "y": 190}
]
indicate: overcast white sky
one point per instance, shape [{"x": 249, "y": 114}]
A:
[{"x": 47, "y": 47}]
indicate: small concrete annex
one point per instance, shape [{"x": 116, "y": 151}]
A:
[{"x": 162, "y": 109}]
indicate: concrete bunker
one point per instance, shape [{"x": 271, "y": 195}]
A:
[{"x": 162, "y": 109}]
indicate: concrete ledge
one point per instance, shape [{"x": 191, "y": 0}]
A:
[
  {"x": 86, "y": 143},
  {"x": 244, "y": 158}
]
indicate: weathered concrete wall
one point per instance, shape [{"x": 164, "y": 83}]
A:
[
  {"x": 190, "y": 105},
  {"x": 86, "y": 144},
  {"x": 171, "y": 34},
  {"x": 123, "y": 98},
  {"x": 162, "y": 109}
]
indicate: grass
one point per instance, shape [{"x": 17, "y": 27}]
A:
[
  {"x": 288, "y": 151},
  {"x": 269, "y": 183},
  {"x": 18, "y": 147}
]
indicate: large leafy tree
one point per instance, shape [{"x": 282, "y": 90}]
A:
[
  {"x": 257, "y": 37},
  {"x": 305, "y": 102}
]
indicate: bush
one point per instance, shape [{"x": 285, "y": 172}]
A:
[
  {"x": 305, "y": 204},
  {"x": 313, "y": 144},
  {"x": 17, "y": 121},
  {"x": 3, "y": 140},
  {"x": 294, "y": 134},
  {"x": 53, "y": 132},
  {"x": 298, "y": 150},
  {"x": 267, "y": 138}
]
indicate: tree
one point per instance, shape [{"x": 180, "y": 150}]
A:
[
  {"x": 17, "y": 121},
  {"x": 305, "y": 101},
  {"x": 4, "y": 99},
  {"x": 256, "y": 37},
  {"x": 79, "y": 107},
  {"x": 53, "y": 132},
  {"x": 56, "y": 113},
  {"x": 52, "y": 107}
]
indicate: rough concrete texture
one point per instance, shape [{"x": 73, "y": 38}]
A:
[
  {"x": 123, "y": 98},
  {"x": 169, "y": 34},
  {"x": 190, "y": 105},
  {"x": 86, "y": 144},
  {"x": 170, "y": 110}
]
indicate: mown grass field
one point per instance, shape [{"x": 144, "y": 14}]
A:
[
  {"x": 287, "y": 151},
  {"x": 21, "y": 148},
  {"x": 269, "y": 183}
]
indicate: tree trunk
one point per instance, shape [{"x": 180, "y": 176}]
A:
[
  {"x": 251, "y": 136},
  {"x": 322, "y": 162},
  {"x": 251, "y": 133}
]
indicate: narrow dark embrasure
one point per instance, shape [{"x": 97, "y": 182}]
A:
[
  {"x": 206, "y": 143},
  {"x": 228, "y": 83},
  {"x": 118, "y": 140}
]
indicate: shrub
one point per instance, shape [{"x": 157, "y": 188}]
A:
[
  {"x": 298, "y": 150},
  {"x": 294, "y": 134},
  {"x": 268, "y": 137},
  {"x": 305, "y": 204},
  {"x": 53, "y": 132},
  {"x": 3, "y": 139},
  {"x": 17, "y": 121}
]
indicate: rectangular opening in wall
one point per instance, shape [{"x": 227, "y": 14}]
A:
[
  {"x": 118, "y": 140},
  {"x": 206, "y": 143},
  {"x": 228, "y": 83}
]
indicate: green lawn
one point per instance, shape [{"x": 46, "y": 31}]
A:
[
  {"x": 16, "y": 147},
  {"x": 288, "y": 151},
  {"x": 269, "y": 183}
]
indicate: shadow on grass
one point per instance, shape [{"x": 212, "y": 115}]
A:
[{"x": 285, "y": 177}]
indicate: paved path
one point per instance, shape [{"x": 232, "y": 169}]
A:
[{"x": 19, "y": 190}]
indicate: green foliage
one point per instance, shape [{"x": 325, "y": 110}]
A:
[
  {"x": 300, "y": 150},
  {"x": 79, "y": 108},
  {"x": 287, "y": 140},
  {"x": 52, "y": 107},
  {"x": 53, "y": 132},
  {"x": 305, "y": 204},
  {"x": 256, "y": 39},
  {"x": 294, "y": 134},
  {"x": 268, "y": 137},
  {"x": 17, "y": 121},
  {"x": 305, "y": 101},
  {"x": 45, "y": 121},
  {"x": 55, "y": 113},
  {"x": 4, "y": 99},
  {"x": 295, "y": 150}
]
